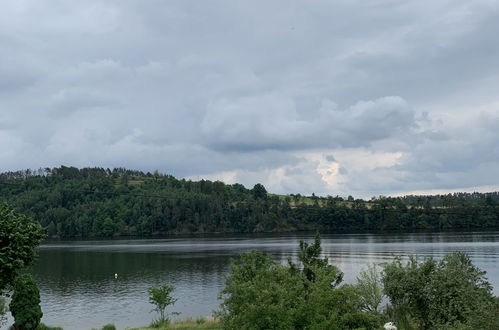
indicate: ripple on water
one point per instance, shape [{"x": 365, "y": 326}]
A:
[{"x": 79, "y": 290}]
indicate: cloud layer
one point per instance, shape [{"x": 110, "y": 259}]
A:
[{"x": 344, "y": 97}]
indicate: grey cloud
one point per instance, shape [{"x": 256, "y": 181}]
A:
[
  {"x": 16, "y": 76},
  {"x": 272, "y": 122},
  {"x": 70, "y": 100},
  {"x": 451, "y": 52},
  {"x": 330, "y": 158},
  {"x": 199, "y": 88},
  {"x": 467, "y": 157}
]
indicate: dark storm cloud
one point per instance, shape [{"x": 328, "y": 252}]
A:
[{"x": 264, "y": 91}]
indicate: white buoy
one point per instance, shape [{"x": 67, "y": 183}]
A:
[{"x": 115, "y": 275}]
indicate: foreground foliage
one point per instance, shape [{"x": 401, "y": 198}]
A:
[
  {"x": 448, "y": 294},
  {"x": 370, "y": 287},
  {"x": 262, "y": 294},
  {"x": 25, "y": 303},
  {"x": 190, "y": 324},
  {"x": 161, "y": 298},
  {"x": 19, "y": 236}
]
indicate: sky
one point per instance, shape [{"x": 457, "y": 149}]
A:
[{"x": 346, "y": 97}]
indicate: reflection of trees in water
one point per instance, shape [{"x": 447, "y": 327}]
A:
[{"x": 62, "y": 270}]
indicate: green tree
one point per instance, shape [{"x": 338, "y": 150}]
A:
[
  {"x": 259, "y": 191},
  {"x": 446, "y": 293},
  {"x": 260, "y": 294},
  {"x": 370, "y": 285},
  {"x": 309, "y": 256},
  {"x": 161, "y": 298},
  {"x": 19, "y": 236},
  {"x": 25, "y": 303},
  {"x": 263, "y": 294}
]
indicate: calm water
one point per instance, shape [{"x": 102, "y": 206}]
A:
[{"x": 79, "y": 291}]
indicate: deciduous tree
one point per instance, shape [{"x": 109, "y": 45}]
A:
[
  {"x": 438, "y": 294},
  {"x": 19, "y": 236}
]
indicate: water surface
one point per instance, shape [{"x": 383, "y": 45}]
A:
[{"x": 79, "y": 291}]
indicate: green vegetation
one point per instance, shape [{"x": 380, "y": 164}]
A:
[
  {"x": 370, "y": 287},
  {"x": 25, "y": 303},
  {"x": 190, "y": 324},
  {"x": 19, "y": 236},
  {"x": 263, "y": 294},
  {"x": 97, "y": 202},
  {"x": 42, "y": 326},
  {"x": 449, "y": 294},
  {"x": 161, "y": 298},
  {"x": 260, "y": 293}
]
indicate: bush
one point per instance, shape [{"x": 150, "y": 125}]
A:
[
  {"x": 262, "y": 294},
  {"x": 161, "y": 298},
  {"x": 451, "y": 293},
  {"x": 109, "y": 327},
  {"x": 25, "y": 304},
  {"x": 370, "y": 288}
]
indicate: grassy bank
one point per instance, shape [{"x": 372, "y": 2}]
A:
[{"x": 187, "y": 324}]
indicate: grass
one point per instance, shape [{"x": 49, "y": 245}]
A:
[
  {"x": 188, "y": 324},
  {"x": 42, "y": 326}
]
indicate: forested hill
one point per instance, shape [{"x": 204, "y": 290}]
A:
[{"x": 88, "y": 202}]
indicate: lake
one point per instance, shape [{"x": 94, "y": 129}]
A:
[{"x": 79, "y": 290}]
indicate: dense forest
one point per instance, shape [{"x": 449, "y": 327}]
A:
[{"x": 98, "y": 202}]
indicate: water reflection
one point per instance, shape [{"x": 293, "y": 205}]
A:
[{"x": 79, "y": 290}]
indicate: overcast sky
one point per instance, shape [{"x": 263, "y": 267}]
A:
[{"x": 332, "y": 97}]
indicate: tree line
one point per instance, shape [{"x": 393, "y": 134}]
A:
[{"x": 99, "y": 202}]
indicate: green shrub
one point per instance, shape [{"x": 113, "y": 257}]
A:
[
  {"x": 263, "y": 294},
  {"x": 370, "y": 288},
  {"x": 450, "y": 293},
  {"x": 161, "y": 298},
  {"x": 109, "y": 327},
  {"x": 42, "y": 326},
  {"x": 160, "y": 324},
  {"x": 25, "y": 303}
]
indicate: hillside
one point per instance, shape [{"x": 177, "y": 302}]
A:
[{"x": 97, "y": 202}]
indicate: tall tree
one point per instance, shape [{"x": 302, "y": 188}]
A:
[{"x": 259, "y": 191}]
